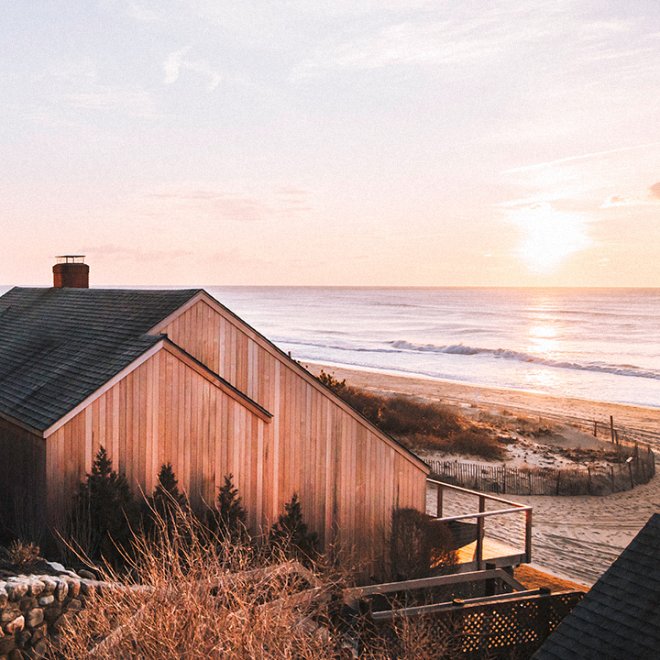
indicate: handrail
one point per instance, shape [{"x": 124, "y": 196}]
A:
[
  {"x": 416, "y": 610},
  {"x": 355, "y": 593},
  {"x": 482, "y": 514},
  {"x": 474, "y": 492}
]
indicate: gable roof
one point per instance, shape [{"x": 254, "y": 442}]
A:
[
  {"x": 57, "y": 346},
  {"x": 620, "y": 616}
]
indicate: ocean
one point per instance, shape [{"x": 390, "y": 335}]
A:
[{"x": 600, "y": 344}]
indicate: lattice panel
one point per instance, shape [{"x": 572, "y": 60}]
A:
[{"x": 498, "y": 629}]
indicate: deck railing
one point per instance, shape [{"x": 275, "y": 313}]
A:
[{"x": 509, "y": 508}]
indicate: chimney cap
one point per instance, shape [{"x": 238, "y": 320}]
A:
[{"x": 70, "y": 259}]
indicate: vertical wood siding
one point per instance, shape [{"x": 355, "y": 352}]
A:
[
  {"x": 348, "y": 476},
  {"x": 162, "y": 412},
  {"x": 22, "y": 480}
]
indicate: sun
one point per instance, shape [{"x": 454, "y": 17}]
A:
[{"x": 549, "y": 236}]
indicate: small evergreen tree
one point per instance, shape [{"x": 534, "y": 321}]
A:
[
  {"x": 104, "y": 512},
  {"x": 229, "y": 517},
  {"x": 291, "y": 535},
  {"x": 166, "y": 497}
]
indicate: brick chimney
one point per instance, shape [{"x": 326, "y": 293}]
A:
[{"x": 71, "y": 271}]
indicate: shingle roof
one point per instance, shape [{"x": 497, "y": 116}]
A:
[
  {"x": 620, "y": 616},
  {"x": 58, "y": 346}
]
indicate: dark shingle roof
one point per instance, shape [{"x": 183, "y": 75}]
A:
[
  {"x": 620, "y": 616},
  {"x": 58, "y": 346}
]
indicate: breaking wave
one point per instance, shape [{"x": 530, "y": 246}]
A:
[{"x": 506, "y": 354}]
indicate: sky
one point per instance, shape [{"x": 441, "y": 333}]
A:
[{"x": 373, "y": 143}]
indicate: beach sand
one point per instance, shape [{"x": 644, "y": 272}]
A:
[{"x": 573, "y": 537}]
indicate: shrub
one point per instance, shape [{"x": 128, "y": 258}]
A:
[
  {"x": 104, "y": 513},
  {"x": 331, "y": 382},
  {"x": 23, "y": 553},
  {"x": 402, "y": 415},
  {"x": 472, "y": 442},
  {"x": 475, "y": 443},
  {"x": 418, "y": 424},
  {"x": 290, "y": 534},
  {"x": 418, "y": 545},
  {"x": 165, "y": 499},
  {"x": 229, "y": 518}
]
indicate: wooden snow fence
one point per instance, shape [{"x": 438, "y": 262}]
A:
[{"x": 637, "y": 469}]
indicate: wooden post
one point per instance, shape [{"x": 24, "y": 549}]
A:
[
  {"x": 595, "y": 429},
  {"x": 529, "y": 481},
  {"x": 504, "y": 479},
  {"x": 490, "y": 583},
  {"x": 612, "y": 476},
  {"x": 612, "y": 428},
  {"x": 528, "y": 536},
  {"x": 632, "y": 480},
  {"x": 480, "y": 533},
  {"x": 558, "y": 478},
  {"x": 589, "y": 479},
  {"x": 438, "y": 504}
]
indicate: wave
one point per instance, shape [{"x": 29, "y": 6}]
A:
[{"x": 507, "y": 354}]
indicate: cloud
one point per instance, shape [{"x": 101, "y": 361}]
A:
[
  {"x": 586, "y": 156},
  {"x": 434, "y": 42},
  {"x": 428, "y": 34},
  {"x": 237, "y": 202},
  {"x": 651, "y": 199},
  {"x": 177, "y": 62}
]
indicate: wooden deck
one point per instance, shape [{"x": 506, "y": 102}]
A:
[
  {"x": 495, "y": 553},
  {"x": 485, "y": 551}
]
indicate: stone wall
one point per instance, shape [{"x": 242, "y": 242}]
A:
[{"x": 35, "y": 607}]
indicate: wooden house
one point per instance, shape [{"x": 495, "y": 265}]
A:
[{"x": 174, "y": 376}]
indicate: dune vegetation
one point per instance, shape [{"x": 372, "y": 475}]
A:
[{"x": 419, "y": 424}]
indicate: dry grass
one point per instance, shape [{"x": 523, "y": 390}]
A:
[
  {"x": 419, "y": 424},
  {"x": 191, "y": 594},
  {"x": 470, "y": 442},
  {"x": 23, "y": 554}
]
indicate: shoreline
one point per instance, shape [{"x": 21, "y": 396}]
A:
[{"x": 646, "y": 419}]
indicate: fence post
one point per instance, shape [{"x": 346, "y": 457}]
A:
[
  {"x": 438, "y": 504},
  {"x": 595, "y": 429},
  {"x": 558, "y": 478},
  {"x": 612, "y": 477},
  {"x": 589, "y": 479},
  {"x": 529, "y": 481},
  {"x": 612, "y": 427},
  {"x": 504, "y": 479},
  {"x": 632, "y": 480}
]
